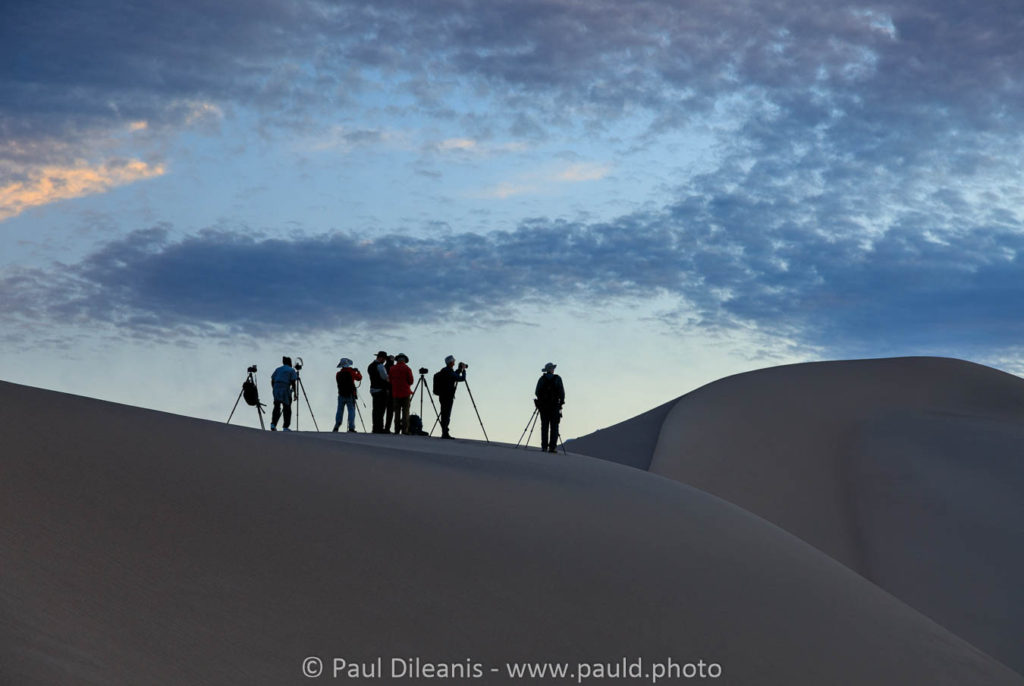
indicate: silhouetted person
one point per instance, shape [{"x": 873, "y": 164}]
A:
[
  {"x": 550, "y": 397},
  {"x": 444, "y": 387},
  {"x": 401, "y": 392},
  {"x": 380, "y": 391},
  {"x": 283, "y": 380},
  {"x": 346, "y": 379},
  {"x": 390, "y": 413}
]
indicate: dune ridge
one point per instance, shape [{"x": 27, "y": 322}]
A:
[
  {"x": 907, "y": 470},
  {"x": 185, "y": 551}
]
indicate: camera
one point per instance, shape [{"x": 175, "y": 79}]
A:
[
  {"x": 252, "y": 369},
  {"x": 298, "y": 364},
  {"x": 463, "y": 365},
  {"x": 424, "y": 370}
]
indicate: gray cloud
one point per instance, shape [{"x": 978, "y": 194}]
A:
[
  {"x": 903, "y": 292},
  {"x": 866, "y": 198},
  {"x": 75, "y": 67}
]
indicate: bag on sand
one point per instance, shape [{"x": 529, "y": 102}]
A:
[{"x": 416, "y": 426}]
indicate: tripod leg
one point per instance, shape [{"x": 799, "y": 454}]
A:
[
  {"x": 359, "y": 413},
  {"x": 235, "y": 407},
  {"x": 259, "y": 411},
  {"x": 310, "y": 407},
  {"x": 528, "y": 423},
  {"x": 421, "y": 386},
  {"x": 536, "y": 417},
  {"x": 477, "y": 412}
]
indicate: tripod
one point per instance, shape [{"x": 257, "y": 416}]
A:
[
  {"x": 299, "y": 386},
  {"x": 421, "y": 388},
  {"x": 250, "y": 383},
  {"x": 357, "y": 402},
  {"x": 531, "y": 424},
  {"x": 474, "y": 409}
]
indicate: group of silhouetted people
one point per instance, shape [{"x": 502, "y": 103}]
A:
[{"x": 392, "y": 386}]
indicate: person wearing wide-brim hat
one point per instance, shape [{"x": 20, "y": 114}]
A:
[
  {"x": 401, "y": 392},
  {"x": 346, "y": 378},
  {"x": 550, "y": 397}
]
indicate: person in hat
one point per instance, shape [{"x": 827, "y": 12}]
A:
[
  {"x": 550, "y": 397},
  {"x": 401, "y": 392},
  {"x": 346, "y": 378},
  {"x": 283, "y": 381},
  {"x": 444, "y": 388},
  {"x": 380, "y": 390}
]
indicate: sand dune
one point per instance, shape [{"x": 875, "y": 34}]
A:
[
  {"x": 141, "y": 547},
  {"x": 907, "y": 470}
]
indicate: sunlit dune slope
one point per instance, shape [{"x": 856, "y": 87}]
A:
[{"x": 907, "y": 470}]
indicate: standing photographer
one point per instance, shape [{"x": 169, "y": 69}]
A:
[
  {"x": 444, "y": 388},
  {"x": 550, "y": 397},
  {"x": 283, "y": 381},
  {"x": 380, "y": 390},
  {"x": 347, "y": 378},
  {"x": 401, "y": 392}
]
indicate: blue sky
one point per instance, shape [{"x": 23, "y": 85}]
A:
[{"x": 651, "y": 194}]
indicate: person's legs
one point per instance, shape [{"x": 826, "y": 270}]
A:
[
  {"x": 406, "y": 404},
  {"x": 553, "y": 438},
  {"x": 275, "y": 415},
  {"x": 351, "y": 403},
  {"x": 287, "y": 415},
  {"x": 545, "y": 421},
  {"x": 446, "y": 412},
  {"x": 380, "y": 401},
  {"x": 339, "y": 414},
  {"x": 389, "y": 412}
]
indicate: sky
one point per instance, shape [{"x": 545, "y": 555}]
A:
[{"x": 651, "y": 194}]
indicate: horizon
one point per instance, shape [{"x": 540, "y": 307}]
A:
[{"x": 652, "y": 196}]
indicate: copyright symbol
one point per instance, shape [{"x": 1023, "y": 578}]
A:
[{"x": 312, "y": 667}]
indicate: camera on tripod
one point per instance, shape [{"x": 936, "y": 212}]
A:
[
  {"x": 424, "y": 370},
  {"x": 298, "y": 365},
  {"x": 252, "y": 369}
]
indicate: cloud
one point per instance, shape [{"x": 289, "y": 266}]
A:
[
  {"x": 864, "y": 194},
  {"x": 546, "y": 181},
  {"x": 584, "y": 172},
  {"x": 50, "y": 184},
  {"x": 906, "y": 291}
]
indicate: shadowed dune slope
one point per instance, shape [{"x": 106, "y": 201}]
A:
[
  {"x": 907, "y": 470},
  {"x": 141, "y": 547}
]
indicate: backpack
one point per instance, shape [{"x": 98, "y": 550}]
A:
[
  {"x": 547, "y": 394},
  {"x": 250, "y": 392},
  {"x": 439, "y": 384},
  {"x": 416, "y": 426}
]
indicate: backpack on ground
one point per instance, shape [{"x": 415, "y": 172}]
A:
[{"x": 416, "y": 426}]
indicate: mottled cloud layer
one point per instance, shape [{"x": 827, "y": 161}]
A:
[
  {"x": 865, "y": 194},
  {"x": 904, "y": 292}
]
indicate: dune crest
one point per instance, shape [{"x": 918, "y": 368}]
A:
[
  {"x": 907, "y": 470},
  {"x": 185, "y": 551}
]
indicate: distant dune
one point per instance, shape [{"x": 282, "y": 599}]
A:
[
  {"x": 909, "y": 471},
  {"x": 144, "y": 548}
]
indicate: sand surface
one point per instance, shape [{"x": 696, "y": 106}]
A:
[
  {"x": 141, "y": 547},
  {"x": 909, "y": 471}
]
